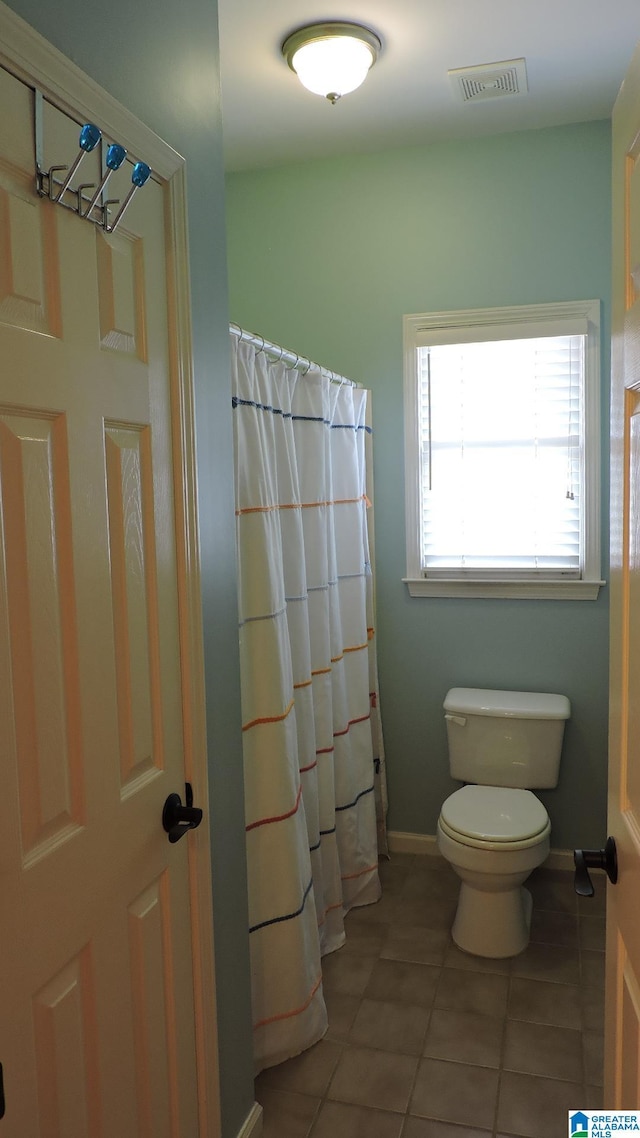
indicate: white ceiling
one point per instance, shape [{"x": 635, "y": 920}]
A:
[{"x": 576, "y": 55}]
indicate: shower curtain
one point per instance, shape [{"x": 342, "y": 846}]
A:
[{"x": 315, "y": 789}]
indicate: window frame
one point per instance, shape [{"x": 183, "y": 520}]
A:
[{"x": 464, "y": 326}]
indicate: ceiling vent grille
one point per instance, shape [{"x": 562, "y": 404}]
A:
[{"x": 489, "y": 80}]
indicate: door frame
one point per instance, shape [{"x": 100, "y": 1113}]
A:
[{"x": 38, "y": 64}]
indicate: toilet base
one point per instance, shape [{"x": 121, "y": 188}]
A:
[{"x": 492, "y": 924}]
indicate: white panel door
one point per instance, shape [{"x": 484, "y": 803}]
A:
[
  {"x": 99, "y": 1029},
  {"x": 622, "y": 1036}
]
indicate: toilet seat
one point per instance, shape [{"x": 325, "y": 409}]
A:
[{"x": 494, "y": 817}]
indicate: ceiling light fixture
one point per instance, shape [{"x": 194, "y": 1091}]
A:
[{"x": 332, "y": 59}]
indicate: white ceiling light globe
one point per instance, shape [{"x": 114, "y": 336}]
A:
[
  {"x": 331, "y": 59},
  {"x": 333, "y": 66}
]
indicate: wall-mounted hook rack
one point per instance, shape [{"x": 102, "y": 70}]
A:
[{"x": 88, "y": 205}]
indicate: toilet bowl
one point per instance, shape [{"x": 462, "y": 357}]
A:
[{"x": 493, "y": 837}]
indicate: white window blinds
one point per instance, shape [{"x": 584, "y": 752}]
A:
[{"x": 502, "y": 456}]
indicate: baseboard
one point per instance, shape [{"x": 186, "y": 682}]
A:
[
  {"x": 426, "y": 844},
  {"x": 560, "y": 859},
  {"x": 412, "y": 843},
  {"x": 252, "y": 1125}
]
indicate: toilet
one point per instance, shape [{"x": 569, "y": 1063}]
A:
[{"x": 494, "y": 831}]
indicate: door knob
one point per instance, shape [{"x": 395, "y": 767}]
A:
[
  {"x": 176, "y": 818},
  {"x": 594, "y": 859}
]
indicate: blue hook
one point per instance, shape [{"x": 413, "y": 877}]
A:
[
  {"x": 116, "y": 155},
  {"x": 90, "y": 136},
  {"x": 139, "y": 176}
]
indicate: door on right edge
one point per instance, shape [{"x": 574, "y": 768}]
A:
[{"x": 622, "y": 1031}]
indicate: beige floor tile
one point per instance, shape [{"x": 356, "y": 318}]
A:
[
  {"x": 307, "y": 1074},
  {"x": 430, "y": 913},
  {"x": 416, "y": 943},
  {"x": 455, "y": 1092},
  {"x": 539, "y": 1002},
  {"x": 390, "y": 1026},
  {"x": 341, "y": 1011},
  {"x": 592, "y": 1009},
  {"x": 429, "y": 1128},
  {"x": 464, "y": 1037},
  {"x": 548, "y": 962},
  {"x": 287, "y": 1115},
  {"x": 548, "y": 927},
  {"x": 338, "y": 1120},
  {"x": 479, "y": 992},
  {"x": 592, "y": 931},
  {"x": 346, "y": 972},
  {"x": 380, "y": 1079},
  {"x": 592, "y": 969},
  {"x": 593, "y": 1042},
  {"x": 533, "y": 1107},
  {"x": 399, "y": 981},
  {"x": 431, "y": 885},
  {"x": 552, "y": 889},
  {"x": 456, "y": 958},
  {"x": 392, "y": 876},
  {"x": 538, "y": 1049},
  {"x": 431, "y": 862},
  {"x": 365, "y": 937}
]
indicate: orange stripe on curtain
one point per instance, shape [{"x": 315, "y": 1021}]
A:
[
  {"x": 299, "y": 505},
  {"x": 360, "y": 719},
  {"x": 329, "y": 909},
  {"x": 303, "y": 770},
  {"x": 269, "y": 718},
  {"x": 276, "y": 817},
  {"x": 350, "y": 648},
  {"x": 296, "y": 1012},
  {"x": 360, "y": 873}
]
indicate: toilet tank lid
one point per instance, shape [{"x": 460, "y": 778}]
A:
[{"x": 507, "y": 704}]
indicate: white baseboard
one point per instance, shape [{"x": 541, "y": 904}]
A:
[
  {"x": 252, "y": 1125},
  {"x": 412, "y": 843},
  {"x": 426, "y": 844},
  {"x": 560, "y": 859}
]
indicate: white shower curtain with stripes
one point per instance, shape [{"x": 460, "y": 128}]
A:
[{"x": 313, "y": 763}]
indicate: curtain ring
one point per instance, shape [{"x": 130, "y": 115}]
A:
[{"x": 308, "y": 367}]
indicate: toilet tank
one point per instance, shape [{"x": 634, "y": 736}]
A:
[{"x": 505, "y": 738}]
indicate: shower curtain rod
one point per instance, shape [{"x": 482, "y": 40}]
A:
[{"x": 291, "y": 359}]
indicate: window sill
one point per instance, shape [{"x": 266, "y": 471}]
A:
[{"x": 524, "y": 590}]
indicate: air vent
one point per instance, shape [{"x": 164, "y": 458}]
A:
[{"x": 489, "y": 80}]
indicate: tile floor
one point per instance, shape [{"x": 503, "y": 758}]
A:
[{"x": 425, "y": 1041}]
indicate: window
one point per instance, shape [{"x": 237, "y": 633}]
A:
[{"x": 502, "y": 442}]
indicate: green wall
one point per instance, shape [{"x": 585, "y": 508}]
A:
[
  {"x": 161, "y": 61},
  {"x": 325, "y": 257}
]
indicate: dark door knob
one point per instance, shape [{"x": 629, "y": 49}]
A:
[
  {"x": 594, "y": 859},
  {"x": 176, "y": 818}
]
